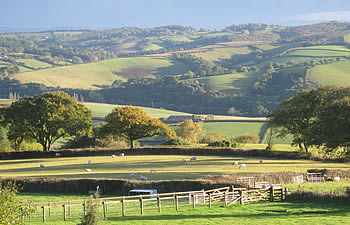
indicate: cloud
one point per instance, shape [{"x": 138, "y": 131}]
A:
[{"x": 325, "y": 16}]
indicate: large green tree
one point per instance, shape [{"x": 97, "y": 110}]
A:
[
  {"x": 46, "y": 118},
  {"x": 190, "y": 131},
  {"x": 133, "y": 123}
]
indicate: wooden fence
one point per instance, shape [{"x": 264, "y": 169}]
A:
[{"x": 226, "y": 194}]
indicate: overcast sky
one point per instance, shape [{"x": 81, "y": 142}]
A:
[{"x": 24, "y": 15}]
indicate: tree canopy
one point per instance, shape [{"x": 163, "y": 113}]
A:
[
  {"x": 133, "y": 123},
  {"x": 190, "y": 131},
  {"x": 315, "y": 118},
  {"x": 46, "y": 118}
]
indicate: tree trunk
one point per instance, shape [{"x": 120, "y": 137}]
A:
[
  {"x": 305, "y": 146},
  {"x": 300, "y": 146},
  {"x": 131, "y": 144}
]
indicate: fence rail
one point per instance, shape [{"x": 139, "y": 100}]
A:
[{"x": 139, "y": 203}]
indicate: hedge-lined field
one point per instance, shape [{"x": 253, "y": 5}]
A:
[
  {"x": 169, "y": 167},
  {"x": 331, "y": 74}
]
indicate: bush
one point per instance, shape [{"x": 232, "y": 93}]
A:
[
  {"x": 92, "y": 216},
  {"x": 248, "y": 139},
  {"x": 176, "y": 142},
  {"x": 212, "y": 137},
  {"x": 11, "y": 211},
  {"x": 223, "y": 143}
]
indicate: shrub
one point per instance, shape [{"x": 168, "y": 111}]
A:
[
  {"x": 92, "y": 216},
  {"x": 223, "y": 143},
  {"x": 212, "y": 137},
  {"x": 248, "y": 139},
  {"x": 11, "y": 211},
  {"x": 176, "y": 142}
]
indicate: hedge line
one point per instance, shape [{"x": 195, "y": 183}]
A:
[{"x": 155, "y": 151}]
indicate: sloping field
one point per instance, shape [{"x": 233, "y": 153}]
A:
[
  {"x": 235, "y": 129},
  {"x": 318, "y": 53},
  {"x": 36, "y": 64},
  {"x": 230, "y": 83},
  {"x": 331, "y": 74},
  {"x": 101, "y": 110},
  {"x": 93, "y": 75},
  {"x": 168, "y": 167},
  {"x": 217, "y": 54}
]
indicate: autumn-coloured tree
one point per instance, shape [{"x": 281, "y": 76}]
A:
[
  {"x": 190, "y": 131},
  {"x": 133, "y": 123}
]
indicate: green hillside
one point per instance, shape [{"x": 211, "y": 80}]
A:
[
  {"x": 217, "y": 54},
  {"x": 331, "y": 74},
  {"x": 93, "y": 75}
]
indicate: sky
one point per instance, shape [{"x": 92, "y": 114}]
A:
[{"x": 30, "y": 15}]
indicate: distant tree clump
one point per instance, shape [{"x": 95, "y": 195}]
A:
[
  {"x": 190, "y": 131},
  {"x": 46, "y": 118},
  {"x": 133, "y": 123}
]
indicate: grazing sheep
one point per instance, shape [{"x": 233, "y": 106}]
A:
[
  {"x": 89, "y": 162},
  {"x": 58, "y": 155},
  {"x": 121, "y": 154},
  {"x": 113, "y": 156},
  {"x": 242, "y": 166},
  {"x": 87, "y": 170},
  {"x": 234, "y": 163},
  {"x": 153, "y": 170},
  {"x": 193, "y": 159},
  {"x": 143, "y": 178},
  {"x": 336, "y": 179},
  {"x": 261, "y": 161},
  {"x": 133, "y": 174},
  {"x": 42, "y": 166},
  {"x": 185, "y": 160}
]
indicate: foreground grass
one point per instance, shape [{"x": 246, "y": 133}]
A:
[
  {"x": 261, "y": 213},
  {"x": 168, "y": 167}
]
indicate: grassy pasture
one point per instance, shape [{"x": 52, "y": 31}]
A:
[
  {"x": 36, "y": 64},
  {"x": 347, "y": 38},
  {"x": 235, "y": 129},
  {"x": 91, "y": 75},
  {"x": 338, "y": 213},
  {"x": 230, "y": 83},
  {"x": 331, "y": 74},
  {"x": 169, "y": 167},
  {"x": 217, "y": 54},
  {"x": 314, "y": 52}
]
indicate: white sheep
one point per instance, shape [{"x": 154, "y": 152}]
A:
[
  {"x": 234, "y": 163},
  {"x": 185, "y": 160},
  {"x": 133, "y": 174},
  {"x": 113, "y": 156},
  {"x": 336, "y": 179},
  {"x": 243, "y": 165},
  {"x": 193, "y": 159},
  {"x": 261, "y": 161},
  {"x": 153, "y": 170},
  {"x": 89, "y": 162},
  {"x": 143, "y": 178},
  {"x": 87, "y": 170},
  {"x": 121, "y": 154},
  {"x": 58, "y": 155},
  {"x": 42, "y": 166}
]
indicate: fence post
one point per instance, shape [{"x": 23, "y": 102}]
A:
[
  {"x": 271, "y": 194},
  {"x": 44, "y": 218},
  {"x": 69, "y": 209},
  {"x": 189, "y": 198},
  {"x": 141, "y": 205},
  {"x": 123, "y": 207},
  {"x": 64, "y": 213},
  {"x": 209, "y": 200},
  {"x": 174, "y": 200},
  {"x": 194, "y": 201},
  {"x": 104, "y": 210},
  {"x": 49, "y": 209},
  {"x": 225, "y": 198},
  {"x": 241, "y": 197},
  {"x": 176, "y": 203},
  {"x": 84, "y": 204},
  {"x": 285, "y": 193},
  {"x": 158, "y": 203}
]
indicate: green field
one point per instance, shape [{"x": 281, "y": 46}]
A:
[
  {"x": 101, "y": 110},
  {"x": 313, "y": 52},
  {"x": 36, "y": 64},
  {"x": 331, "y": 74},
  {"x": 92, "y": 75},
  {"x": 168, "y": 167},
  {"x": 230, "y": 83},
  {"x": 235, "y": 129},
  {"x": 347, "y": 38},
  {"x": 217, "y": 54}
]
